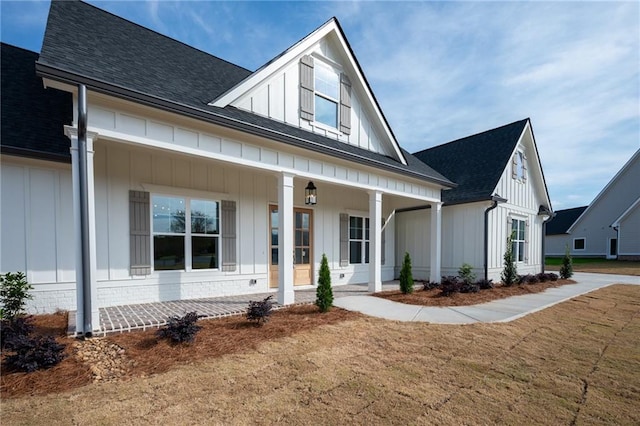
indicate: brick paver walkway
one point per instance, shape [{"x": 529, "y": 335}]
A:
[{"x": 118, "y": 319}]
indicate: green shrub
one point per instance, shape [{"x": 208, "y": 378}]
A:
[
  {"x": 510, "y": 272},
  {"x": 14, "y": 292},
  {"x": 324, "y": 294},
  {"x": 566, "y": 270},
  {"x": 406, "y": 278},
  {"x": 466, "y": 273}
]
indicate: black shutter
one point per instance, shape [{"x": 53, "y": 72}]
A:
[{"x": 139, "y": 233}]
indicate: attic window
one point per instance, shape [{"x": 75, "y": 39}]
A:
[{"x": 519, "y": 167}]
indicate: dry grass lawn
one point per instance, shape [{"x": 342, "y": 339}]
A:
[
  {"x": 575, "y": 363},
  {"x": 599, "y": 266}
]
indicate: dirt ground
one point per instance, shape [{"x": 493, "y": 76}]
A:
[{"x": 574, "y": 363}]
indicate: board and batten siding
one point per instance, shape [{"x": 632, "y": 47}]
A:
[
  {"x": 278, "y": 97},
  {"x": 37, "y": 230}
]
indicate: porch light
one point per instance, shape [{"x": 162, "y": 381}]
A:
[{"x": 310, "y": 194}]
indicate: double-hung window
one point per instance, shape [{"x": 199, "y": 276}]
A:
[
  {"x": 186, "y": 233},
  {"x": 358, "y": 239},
  {"x": 518, "y": 232},
  {"x": 327, "y": 94}
]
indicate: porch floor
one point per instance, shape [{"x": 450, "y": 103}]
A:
[{"x": 119, "y": 319}]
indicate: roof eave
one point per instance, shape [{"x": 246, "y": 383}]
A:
[{"x": 65, "y": 76}]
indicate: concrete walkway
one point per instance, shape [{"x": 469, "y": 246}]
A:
[{"x": 503, "y": 310}]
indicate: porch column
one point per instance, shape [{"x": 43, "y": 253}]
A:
[
  {"x": 436, "y": 244},
  {"x": 286, "y": 295},
  {"x": 375, "y": 241},
  {"x": 85, "y": 233}
]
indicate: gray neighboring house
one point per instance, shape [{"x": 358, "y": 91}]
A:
[{"x": 609, "y": 227}]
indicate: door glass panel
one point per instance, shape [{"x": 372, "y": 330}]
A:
[
  {"x": 274, "y": 237},
  {"x": 305, "y": 238},
  {"x": 298, "y": 220},
  {"x": 298, "y": 256},
  {"x": 274, "y": 218},
  {"x": 305, "y": 220},
  {"x": 274, "y": 255},
  {"x": 299, "y": 238}
]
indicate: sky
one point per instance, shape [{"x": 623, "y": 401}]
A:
[{"x": 442, "y": 70}]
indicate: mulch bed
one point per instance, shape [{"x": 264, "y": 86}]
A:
[
  {"x": 141, "y": 353},
  {"x": 434, "y": 297}
]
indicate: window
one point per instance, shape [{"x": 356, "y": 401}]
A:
[
  {"x": 186, "y": 233},
  {"x": 518, "y": 232},
  {"x": 327, "y": 94},
  {"x": 579, "y": 243},
  {"x": 358, "y": 240},
  {"x": 519, "y": 171}
]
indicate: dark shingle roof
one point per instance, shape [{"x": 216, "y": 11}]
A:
[
  {"x": 32, "y": 117},
  {"x": 118, "y": 57},
  {"x": 563, "y": 220},
  {"x": 475, "y": 163}
]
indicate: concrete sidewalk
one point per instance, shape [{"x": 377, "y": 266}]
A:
[{"x": 503, "y": 310}]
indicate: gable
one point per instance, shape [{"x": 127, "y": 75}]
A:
[
  {"x": 317, "y": 85},
  {"x": 562, "y": 220}
]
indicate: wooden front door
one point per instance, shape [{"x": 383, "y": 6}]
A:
[{"x": 302, "y": 246}]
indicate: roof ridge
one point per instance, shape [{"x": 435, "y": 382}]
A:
[
  {"x": 472, "y": 135},
  {"x": 158, "y": 33}
]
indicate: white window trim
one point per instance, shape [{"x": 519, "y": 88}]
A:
[
  {"x": 188, "y": 261},
  {"x": 525, "y": 258},
  {"x": 364, "y": 241},
  {"x": 585, "y": 244},
  {"x": 325, "y": 62}
]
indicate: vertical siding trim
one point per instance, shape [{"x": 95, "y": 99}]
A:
[
  {"x": 383, "y": 244},
  {"x": 228, "y": 225},
  {"x": 345, "y": 104},
  {"x": 306, "y": 88},
  {"x": 344, "y": 239},
  {"x": 139, "y": 233}
]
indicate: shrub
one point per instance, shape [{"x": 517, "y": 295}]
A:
[
  {"x": 14, "y": 292},
  {"x": 544, "y": 277},
  {"x": 260, "y": 311},
  {"x": 35, "y": 353},
  {"x": 469, "y": 288},
  {"x": 484, "y": 284},
  {"x": 429, "y": 285},
  {"x": 566, "y": 271},
  {"x": 324, "y": 294},
  {"x": 510, "y": 272},
  {"x": 450, "y": 285},
  {"x": 406, "y": 277},
  {"x": 466, "y": 273},
  {"x": 528, "y": 279},
  {"x": 14, "y": 328},
  {"x": 180, "y": 329}
]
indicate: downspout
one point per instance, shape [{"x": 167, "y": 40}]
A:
[
  {"x": 495, "y": 199},
  {"x": 544, "y": 211},
  {"x": 84, "y": 209}
]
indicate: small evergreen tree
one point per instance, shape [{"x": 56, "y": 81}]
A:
[
  {"x": 14, "y": 293},
  {"x": 510, "y": 272},
  {"x": 324, "y": 294},
  {"x": 466, "y": 273},
  {"x": 406, "y": 277},
  {"x": 566, "y": 271}
]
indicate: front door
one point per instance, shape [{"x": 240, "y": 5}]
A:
[
  {"x": 302, "y": 246},
  {"x": 613, "y": 248}
]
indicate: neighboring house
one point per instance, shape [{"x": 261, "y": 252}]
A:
[
  {"x": 610, "y": 226},
  {"x": 558, "y": 227},
  {"x": 181, "y": 175},
  {"x": 501, "y": 190}
]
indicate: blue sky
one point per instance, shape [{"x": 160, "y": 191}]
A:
[{"x": 442, "y": 70}]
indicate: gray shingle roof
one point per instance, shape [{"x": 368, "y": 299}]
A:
[
  {"x": 475, "y": 162},
  {"x": 563, "y": 220},
  {"x": 84, "y": 44},
  {"x": 32, "y": 117}
]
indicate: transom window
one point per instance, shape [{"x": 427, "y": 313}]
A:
[
  {"x": 186, "y": 233},
  {"x": 327, "y": 94},
  {"x": 358, "y": 239},
  {"x": 518, "y": 232}
]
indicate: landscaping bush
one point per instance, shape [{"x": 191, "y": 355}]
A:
[
  {"x": 429, "y": 285},
  {"x": 181, "y": 329},
  {"x": 566, "y": 271},
  {"x": 549, "y": 276},
  {"x": 324, "y": 294},
  {"x": 509, "y": 274},
  {"x": 469, "y": 288},
  {"x": 34, "y": 353},
  {"x": 485, "y": 284},
  {"x": 466, "y": 273},
  {"x": 13, "y": 329},
  {"x": 260, "y": 311},
  {"x": 406, "y": 277},
  {"x": 450, "y": 285},
  {"x": 528, "y": 279},
  {"x": 14, "y": 292}
]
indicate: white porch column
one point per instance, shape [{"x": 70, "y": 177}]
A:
[
  {"x": 286, "y": 295},
  {"x": 72, "y": 133},
  {"x": 375, "y": 241},
  {"x": 436, "y": 244}
]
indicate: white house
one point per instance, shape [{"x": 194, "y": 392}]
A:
[
  {"x": 149, "y": 171},
  {"x": 501, "y": 190},
  {"x": 610, "y": 226}
]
